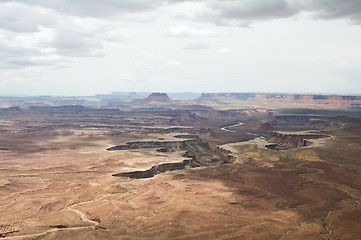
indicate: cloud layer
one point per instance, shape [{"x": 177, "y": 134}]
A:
[
  {"x": 67, "y": 28},
  {"x": 246, "y": 12},
  {"x": 48, "y": 35}
]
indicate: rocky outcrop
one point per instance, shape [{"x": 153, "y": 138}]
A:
[
  {"x": 9, "y": 111},
  {"x": 157, "y": 129},
  {"x": 72, "y": 109},
  {"x": 287, "y": 140},
  {"x": 187, "y": 136},
  {"x": 226, "y": 155},
  {"x": 206, "y": 133},
  {"x": 155, "y": 102},
  {"x": 198, "y": 154},
  {"x": 176, "y": 145},
  {"x": 265, "y": 127},
  {"x": 208, "y": 97},
  {"x": 302, "y": 122},
  {"x": 292, "y": 119},
  {"x": 159, "y": 97},
  {"x": 212, "y": 113},
  {"x": 322, "y": 124},
  {"x": 161, "y": 168},
  {"x": 198, "y": 151}
]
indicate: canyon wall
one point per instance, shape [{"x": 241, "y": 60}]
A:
[{"x": 286, "y": 140}]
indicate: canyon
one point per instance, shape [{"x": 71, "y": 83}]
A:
[{"x": 223, "y": 166}]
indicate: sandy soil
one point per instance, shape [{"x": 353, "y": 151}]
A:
[{"x": 58, "y": 184}]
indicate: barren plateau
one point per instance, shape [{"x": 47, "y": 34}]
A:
[{"x": 164, "y": 169}]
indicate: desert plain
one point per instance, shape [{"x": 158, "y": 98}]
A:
[{"x": 156, "y": 168}]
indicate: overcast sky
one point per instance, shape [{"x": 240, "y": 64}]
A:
[{"x": 86, "y": 47}]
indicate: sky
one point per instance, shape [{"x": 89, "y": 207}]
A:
[{"x": 88, "y": 47}]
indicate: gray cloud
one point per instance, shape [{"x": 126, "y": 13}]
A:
[
  {"x": 70, "y": 43},
  {"x": 17, "y": 57},
  {"x": 93, "y": 8},
  {"x": 219, "y": 10},
  {"x": 252, "y": 9},
  {"x": 21, "y": 18},
  {"x": 31, "y": 36},
  {"x": 245, "y": 12},
  {"x": 334, "y": 9}
]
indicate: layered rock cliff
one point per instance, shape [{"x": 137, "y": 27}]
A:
[
  {"x": 286, "y": 140},
  {"x": 161, "y": 168},
  {"x": 197, "y": 152}
]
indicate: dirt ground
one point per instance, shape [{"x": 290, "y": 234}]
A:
[{"x": 56, "y": 183}]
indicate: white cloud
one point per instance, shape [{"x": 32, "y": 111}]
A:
[
  {"x": 225, "y": 51},
  {"x": 147, "y": 54},
  {"x": 196, "y": 45},
  {"x": 128, "y": 77},
  {"x": 15, "y": 55},
  {"x": 173, "y": 63},
  {"x": 181, "y": 31},
  {"x": 15, "y": 17},
  {"x": 186, "y": 31}
]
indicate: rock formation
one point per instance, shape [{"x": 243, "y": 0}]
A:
[
  {"x": 159, "y": 97},
  {"x": 289, "y": 100},
  {"x": 286, "y": 140},
  {"x": 161, "y": 168}
]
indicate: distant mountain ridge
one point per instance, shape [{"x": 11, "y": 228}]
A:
[
  {"x": 128, "y": 100},
  {"x": 272, "y": 99}
]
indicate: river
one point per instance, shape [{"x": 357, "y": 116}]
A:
[{"x": 228, "y": 128}]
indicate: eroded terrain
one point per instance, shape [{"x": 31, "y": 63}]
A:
[{"x": 76, "y": 172}]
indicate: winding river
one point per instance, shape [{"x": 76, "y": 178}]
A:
[{"x": 228, "y": 128}]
